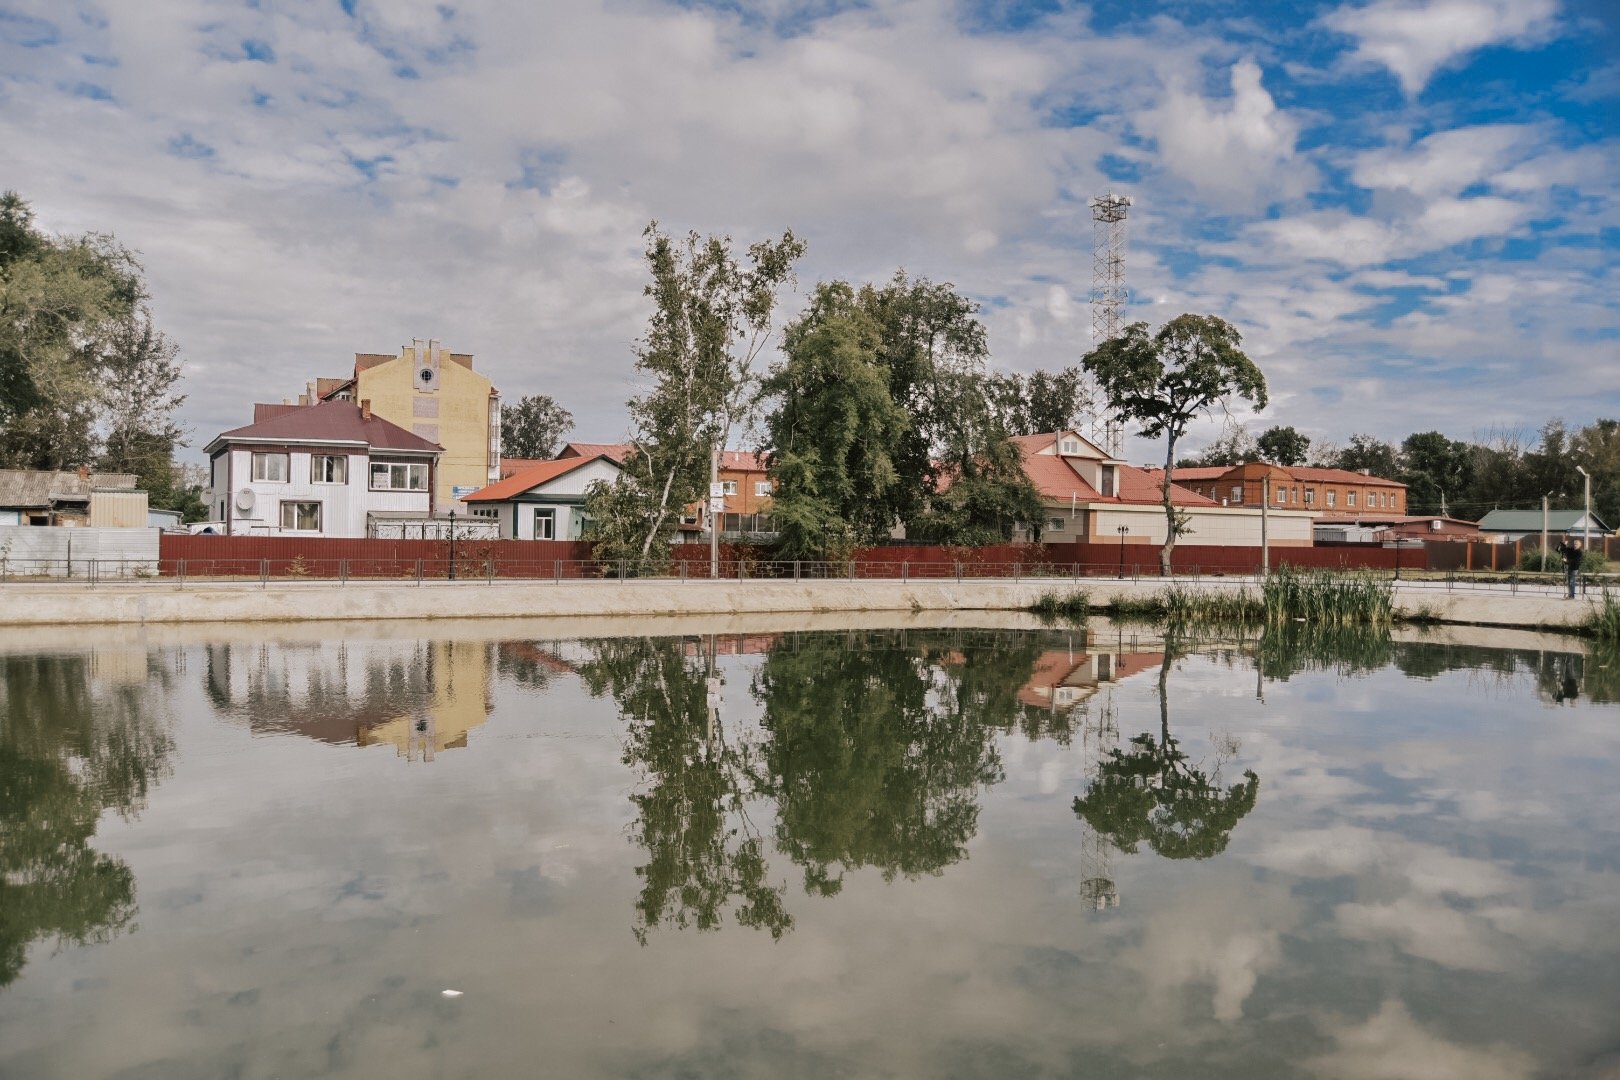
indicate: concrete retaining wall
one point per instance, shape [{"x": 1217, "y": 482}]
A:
[{"x": 23, "y": 604}]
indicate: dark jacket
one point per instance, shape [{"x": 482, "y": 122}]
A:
[{"x": 1572, "y": 556}]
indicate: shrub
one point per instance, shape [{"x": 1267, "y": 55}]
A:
[{"x": 1536, "y": 560}]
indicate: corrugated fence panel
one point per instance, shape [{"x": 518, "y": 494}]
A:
[
  {"x": 63, "y": 551},
  {"x": 313, "y": 556}
]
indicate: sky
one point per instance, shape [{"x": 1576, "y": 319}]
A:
[{"x": 1409, "y": 208}]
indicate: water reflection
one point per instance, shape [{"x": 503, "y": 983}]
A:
[
  {"x": 421, "y": 697},
  {"x": 78, "y": 737}
]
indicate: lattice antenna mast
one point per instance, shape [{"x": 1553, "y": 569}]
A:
[{"x": 1108, "y": 292}]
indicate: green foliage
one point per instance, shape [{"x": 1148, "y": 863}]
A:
[
  {"x": 81, "y": 365},
  {"x": 1283, "y": 446},
  {"x": 1604, "y": 622},
  {"x": 67, "y": 755},
  {"x": 1551, "y": 562},
  {"x": 711, "y": 319},
  {"x": 1166, "y": 380},
  {"x": 1325, "y": 598},
  {"x": 1052, "y": 606},
  {"x": 828, "y": 440},
  {"x": 1040, "y": 402},
  {"x": 1434, "y": 469},
  {"x": 534, "y": 427},
  {"x": 1374, "y": 455}
]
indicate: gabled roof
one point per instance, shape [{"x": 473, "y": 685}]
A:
[
  {"x": 1042, "y": 440},
  {"x": 1302, "y": 473},
  {"x": 1057, "y": 480},
  {"x": 1342, "y": 476},
  {"x": 741, "y": 461},
  {"x": 617, "y": 452},
  {"x": 1528, "y": 521},
  {"x": 1183, "y": 474},
  {"x": 27, "y": 489},
  {"x": 328, "y": 422},
  {"x": 531, "y": 478}
]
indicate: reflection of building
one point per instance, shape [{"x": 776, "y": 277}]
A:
[
  {"x": 422, "y": 697},
  {"x": 1063, "y": 678}
]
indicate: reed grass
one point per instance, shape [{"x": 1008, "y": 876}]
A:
[
  {"x": 1604, "y": 621},
  {"x": 1323, "y": 598},
  {"x": 1052, "y": 606}
]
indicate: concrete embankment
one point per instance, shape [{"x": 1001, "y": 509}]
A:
[{"x": 161, "y": 602}]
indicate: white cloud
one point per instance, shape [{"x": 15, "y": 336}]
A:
[
  {"x": 1391, "y": 1045},
  {"x": 1416, "y": 38},
  {"x": 1238, "y": 155}
]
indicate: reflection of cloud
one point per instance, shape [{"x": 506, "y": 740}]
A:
[
  {"x": 1393, "y": 1046},
  {"x": 1226, "y": 935}
]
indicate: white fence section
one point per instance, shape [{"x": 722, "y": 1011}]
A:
[{"x": 64, "y": 551}]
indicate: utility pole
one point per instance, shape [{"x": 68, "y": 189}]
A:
[
  {"x": 717, "y": 510},
  {"x": 1586, "y": 525},
  {"x": 1265, "y": 546},
  {"x": 1544, "y": 513}
]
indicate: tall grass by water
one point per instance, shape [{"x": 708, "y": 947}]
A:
[
  {"x": 1604, "y": 622},
  {"x": 1317, "y": 597}
]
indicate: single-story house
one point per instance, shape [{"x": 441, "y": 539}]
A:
[
  {"x": 50, "y": 497},
  {"x": 1382, "y": 528},
  {"x": 545, "y": 501},
  {"x": 1091, "y": 497},
  {"x": 328, "y": 469},
  {"x": 1507, "y": 526}
]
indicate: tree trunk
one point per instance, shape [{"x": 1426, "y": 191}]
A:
[{"x": 1169, "y": 510}]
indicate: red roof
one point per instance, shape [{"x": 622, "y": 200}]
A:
[
  {"x": 741, "y": 461},
  {"x": 618, "y": 452},
  {"x": 1198, "y": 472},
  {"x": 1057, "y": 480},
  {"x": 529, "y": 478},
  {"x": 331, "y": 421},
  {"x": 1342, "y": 476}
]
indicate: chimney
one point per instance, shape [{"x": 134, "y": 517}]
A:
[{"x": 365, "y": 408}]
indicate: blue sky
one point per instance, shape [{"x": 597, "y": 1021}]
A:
[{"x": 1408, "y": 208}]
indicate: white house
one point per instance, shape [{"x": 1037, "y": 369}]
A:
[
  {"x": 329, "y": 469},
  {"x": 545, "y": 501}
]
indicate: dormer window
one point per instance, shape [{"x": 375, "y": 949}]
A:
[
  {"x": 1107, "y": 481},
  {"x": 1069, "y": 447}
]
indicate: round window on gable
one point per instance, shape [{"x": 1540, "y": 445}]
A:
[{"x": 426, "y": 375}]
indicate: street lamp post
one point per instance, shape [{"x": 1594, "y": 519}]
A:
[
  {"x": 1586, "y": 523},
  {"x": 452, "y": 545},
  {"x": 1123, "y": 529}
]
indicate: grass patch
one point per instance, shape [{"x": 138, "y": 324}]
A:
[
  {"x": 1323, "y": 598},
  {"x": 1053, "y": 606},
  {"x": 1604, "y": 622}
]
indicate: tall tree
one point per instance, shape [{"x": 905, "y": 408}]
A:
[
  {"x": 828, "y": 440},
  {"x": 1234, "y": 446},
  {"x": 1596, "y": 447},
  {"x": 1167, "y": 379},
  {"x": 1365, "y": 453},
  {"x": 534, "y": 427},
  {"x": 1041, "y": 401},
  {"x": 1434, "y": 469},
  {"x": 712, "y": 317},
  {"x": 1283, "y": 446},
  {"x": 82, "y": 365}
]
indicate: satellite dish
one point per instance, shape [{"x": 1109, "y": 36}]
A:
[{"x": 244, "y": 499}]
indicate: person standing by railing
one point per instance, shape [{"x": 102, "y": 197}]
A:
[{"x": 1572, "y": 553}]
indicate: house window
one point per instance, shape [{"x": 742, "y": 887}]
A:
[
  {"x": 1279, "y": 495},
  {"x": 328, "y": 469},
  {"x": 1349, "y": 498},
  {"x": 545, "y": 524},
  {"x": 1070, "y": 446},
  {"x": 1332, "y": 498},
  {"x": 1108, "y": 481},
  {"x": 301, "y": 516},
  {"x": 1310, "y": 496},
  {"x": 397, "y": 476},
  {"x": 729, "y": 487},
  {"x": 271, "y": 468},
  {"x": 762, "y": 487},
  {"x": 486, "y": 512},
  {"x": 1237, "y": 493},
  {"x": 1056, "y": 525}
]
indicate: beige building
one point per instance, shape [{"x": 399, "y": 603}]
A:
[{"x": 438, "y": 396}]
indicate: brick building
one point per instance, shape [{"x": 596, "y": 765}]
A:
[{"x": 1296, "y": 487}]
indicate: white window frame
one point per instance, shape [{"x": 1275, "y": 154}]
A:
[
  {"x": 1237, "y": 493},
  {"x": 1110, "y": 481},
  {"x": 410, "y": 475},
  {"x": 1069, "y": 447},
  {"x": 728, "y": 487},
  {"x": 1332, "y": 498},
  {"x": 548, "y": 514},
  {"x": 262, "y": 476},
  {"x": 292, "y": 505},
  {"x": 1349, "y": 499},
  {"x": 316, "y": 471},
  {"x": 762, "y": 488},
  {"x": 1310, "y": 496}
]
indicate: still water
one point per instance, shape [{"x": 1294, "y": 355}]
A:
[{"x": 1090, "y": 852}]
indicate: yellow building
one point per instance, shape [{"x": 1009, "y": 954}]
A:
[{"x": 437, "y": 395}]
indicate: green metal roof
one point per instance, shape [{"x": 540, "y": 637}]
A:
[{"x": 1528, "y": 521}]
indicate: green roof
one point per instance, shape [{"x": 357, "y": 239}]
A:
[{"x": 1528, "y": 521}]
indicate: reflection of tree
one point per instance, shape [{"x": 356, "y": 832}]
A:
[
  {"x": 1290, "y": 648},
  {"x": 67, "y": 753},
  {"x": 703, "y": 852},
  {"x": 876, "y": 745},
  {"x": 1151, "y": 792}
]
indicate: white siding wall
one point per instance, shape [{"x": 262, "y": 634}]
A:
[
  {"x": 1234, "y": 526},
  {"x": 343, "y": 506},
  {"x": 48, "y": 550},
  {"x": 570, "y": 516}
]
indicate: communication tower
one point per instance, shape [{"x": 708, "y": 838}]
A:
[{"x": 1108, "y": 292}]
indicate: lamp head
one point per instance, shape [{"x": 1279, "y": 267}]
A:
[{"x": 1582, "y": 471}]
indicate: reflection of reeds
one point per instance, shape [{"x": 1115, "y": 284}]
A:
[{"x": 1286, "y": 649}]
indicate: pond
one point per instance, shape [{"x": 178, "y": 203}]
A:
[{"x": 1046, "y": 852}]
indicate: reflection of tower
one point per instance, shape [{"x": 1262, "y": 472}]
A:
[
  {"x": 1099, "y": 737},
  {"x": 1108, "y": 292}
]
